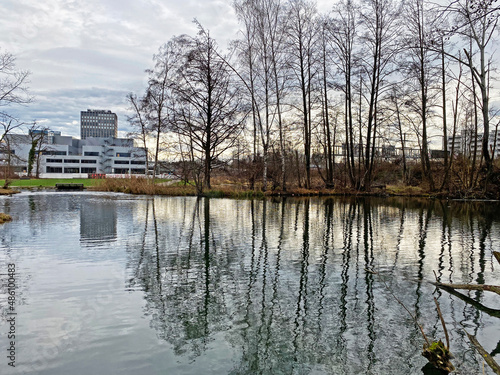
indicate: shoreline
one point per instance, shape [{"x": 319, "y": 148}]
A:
[{"x": 240, "y": 191}]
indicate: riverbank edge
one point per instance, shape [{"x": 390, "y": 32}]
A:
[
  {"x": 236, "y": 191},
  {"x": 9, "y": 191}
]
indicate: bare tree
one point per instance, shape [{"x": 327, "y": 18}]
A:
[
  {"x": 421, "y": 66},
  {"x": 246, "y": 11},
  {"x": 476, "y": 21},
  {"x": 395, "y": 100},
  {"x": 277, "y": 24},
  {"x": 13, "y": 91},
  {"x": 380, "y": 38},
  {"x": 455, "y": 104},
  {"x": 302, "y": 38},
  {"x": 263, "y": 59},
  {"x": 39, "y": 143},
  {"x": 138, "y": 120},
  {"x": 13, "y": 82},
  {"x": 343, "y": 35},
  {"x": 209, "y": 108},
  {"x": 157, "y": 102},
  {"x": 325, "y": 25}
]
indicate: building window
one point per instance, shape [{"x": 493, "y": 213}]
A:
[
  {"x": 139, "y": 162},
  {"x": 123, "y": 154},
  {"x": 71, "y": 161},
  {"x": 54, "y": 170},
  {"x": 90, "y": 153},
  {"x": 54, "y": 160},
  {"x": 121, "y": 170},
  {"x": 71, "y": 170},
  {"x": 90, "y": 161},
  {"x": 53, "y": 152},
  {"x": 88, "y": 170},
  {"x": 121, "y": 162},
  {"x": 138, "y": 171}
]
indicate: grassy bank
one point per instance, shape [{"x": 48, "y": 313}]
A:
[
  {"x": 143, "y": 186},
  {"x": 235, "y": 189},
  {"x": 232, "y": 188},
  {"x": 50, "y": 182},
  {"x": 8, "y": 191}
]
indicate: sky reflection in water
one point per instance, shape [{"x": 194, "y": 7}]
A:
[{"x": 117, "y": 284}]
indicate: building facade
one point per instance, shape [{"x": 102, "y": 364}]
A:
[
  {"x": 98, "y": 123},
  {"x": 466, "y": 143},
  {"x": 68, "y": 157}
]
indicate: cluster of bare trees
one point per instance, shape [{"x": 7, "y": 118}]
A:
[
  {"x": 193, "y": 101},
  {"x": 303, "y": 90}
]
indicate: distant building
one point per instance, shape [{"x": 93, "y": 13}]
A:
[
  {"x": 98, "y": 123},
  {"x": 466, "y": 144},
  {"x": 68, "y": 157}
]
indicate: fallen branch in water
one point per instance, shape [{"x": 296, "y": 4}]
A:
[
  {"x": 497, "y": 255},
  {"x": 451, "y": 288},
  {"x": 484, "y": 287},
  {"x": 488, "y": 358},
  {"x": 492, "y": 312}
]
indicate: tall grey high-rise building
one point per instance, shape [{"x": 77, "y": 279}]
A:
[{"x": 98, "y": 123}]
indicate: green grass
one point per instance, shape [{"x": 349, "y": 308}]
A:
[{"x": 51, "y": 182}]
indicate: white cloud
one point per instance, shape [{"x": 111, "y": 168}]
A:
[{"x": 91, "y": 54}]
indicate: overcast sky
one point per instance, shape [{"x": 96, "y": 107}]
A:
[{"x": 90, "y": 54}]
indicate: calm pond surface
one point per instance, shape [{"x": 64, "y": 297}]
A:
[{"x": 119, "y": 284}]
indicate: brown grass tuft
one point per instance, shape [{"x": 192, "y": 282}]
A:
[{"x": 4, "y": 218}]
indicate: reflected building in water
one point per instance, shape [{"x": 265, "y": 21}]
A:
[{"x": 98, "y": 222}]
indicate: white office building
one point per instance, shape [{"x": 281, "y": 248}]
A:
[
  {"x": 466, "y": 143},
  {"x": 67, "y": 157}
]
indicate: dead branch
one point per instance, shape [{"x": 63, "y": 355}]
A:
[
  {"x": 442, "y": 323},
  {"x": 484, "y": 287},
  {"x": 497, "y": 255},
  {"x": 486, "y": 356},
  {"x": 492, "y": 312}
]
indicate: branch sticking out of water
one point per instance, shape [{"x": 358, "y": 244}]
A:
[
  {"x": 497, "y": 255},
  {"x": 488, "y": 358},
  {"x": 442, "y": 323},
  {"x": 484, "y": 287}
]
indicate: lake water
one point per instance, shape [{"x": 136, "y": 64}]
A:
[{"x": 121, "y": 284}]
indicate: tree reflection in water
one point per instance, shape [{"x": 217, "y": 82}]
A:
[{"x": 290, "y": 284}]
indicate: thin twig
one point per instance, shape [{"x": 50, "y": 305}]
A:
[
  {"x": 442, "y": 323},
  {"x": 409, "y": 313}
]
